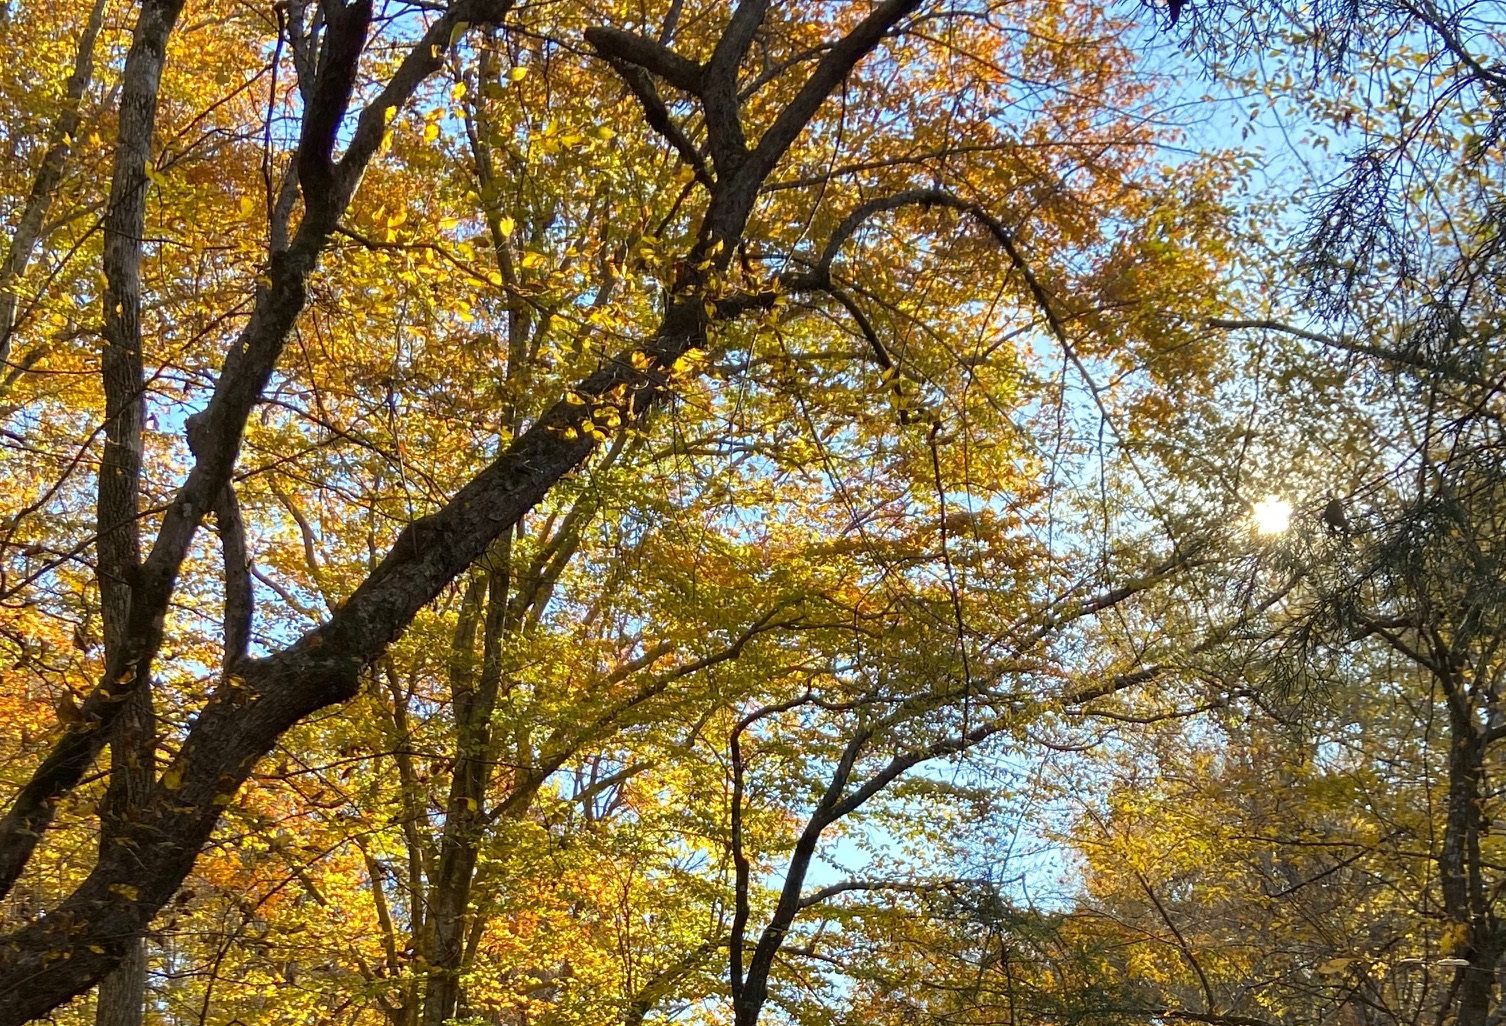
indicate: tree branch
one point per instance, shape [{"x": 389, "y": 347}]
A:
[
  {"x": 657, "y": 116},
  {"x": 724, "y": 127},
  {"x": 1396, "y": 356},
  {"x": 628, "y": 47},
  {"x": 49, "y": 175}
]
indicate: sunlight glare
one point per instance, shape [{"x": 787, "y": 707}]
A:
[{"x": 1272, "y": 515}]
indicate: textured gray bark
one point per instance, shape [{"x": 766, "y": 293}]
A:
[
  {"x": 122, "y": 994},
  {"x": 121, "y": 999}
]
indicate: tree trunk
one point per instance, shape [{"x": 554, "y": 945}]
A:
[
  {"x": 122, "y": 995},
  {"x": 1479, "y": 937},
  {"x": 465, "y": 812}
]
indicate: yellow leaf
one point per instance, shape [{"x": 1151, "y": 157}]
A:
[
  {"x": 399, "y": 218},
  {"x": 506, "y": 225},
  {"x": 689, "y": 361},
  {"x": 246, "y": 206},
  {"x": 173, "y": 778},
  {"x": 457, "y": 93},
  {"x": 517, "y": 74},
  {"x": 431, "y": 132}
]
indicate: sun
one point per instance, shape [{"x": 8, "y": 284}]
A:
[{"x": 1272, "y": 515}]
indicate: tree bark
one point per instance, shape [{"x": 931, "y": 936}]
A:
[
  {"x": 474, "y": 700},
  {"x": 247, "y": 369},
  {"x": 122, "y": 994},
  {"x": 1460, "y": 871}
]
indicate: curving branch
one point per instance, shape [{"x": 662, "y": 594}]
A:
[
  {"x": 657, "y": 115},
  {"x": 659, "y": 60},
  {"x": 817, "y": 278}
]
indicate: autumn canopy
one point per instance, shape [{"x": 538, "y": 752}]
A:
[{"x": 968, "y": 512}]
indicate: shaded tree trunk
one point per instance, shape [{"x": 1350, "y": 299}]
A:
[
  {"x": 122, "y": 994},
  {"x": 474, "y": 700},
  {"x": 1479, "y": 937}
]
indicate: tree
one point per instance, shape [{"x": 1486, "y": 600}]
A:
[
  {"x": 835, "y": 247},
  {"x": 1376, "y": 656}
]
